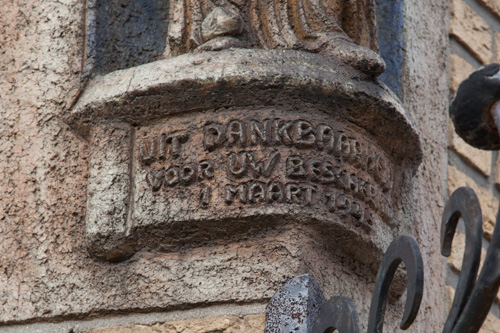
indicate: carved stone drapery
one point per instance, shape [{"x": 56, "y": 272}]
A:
[{"x": 345, "y": 29}]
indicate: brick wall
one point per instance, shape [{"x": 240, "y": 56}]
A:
[{"x": 474, "y": 41}]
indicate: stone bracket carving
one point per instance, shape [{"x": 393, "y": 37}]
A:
[{"x": 204, "y": 147}]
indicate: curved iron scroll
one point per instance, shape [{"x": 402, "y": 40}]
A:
[
  {"x": 402, "y": 249},
  {"x": 338, "y": 313},
  {"x": 464, "y": 204},
  {"x": 474, "y": 298}
]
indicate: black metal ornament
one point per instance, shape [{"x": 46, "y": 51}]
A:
[
  {"x": 310, "y": 312},
  {"x": 402, "y": 249},
  {"x": 339, "y": 313},
  {"x": 463, "y": 204},
  {"x": 474, "y": 297},
  {"x": 472, "y": 108}
]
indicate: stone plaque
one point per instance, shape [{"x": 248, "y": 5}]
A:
[{"x": 245, "y": 163}]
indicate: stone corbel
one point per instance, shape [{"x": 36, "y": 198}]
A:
[{"x": 333, "y": 118}]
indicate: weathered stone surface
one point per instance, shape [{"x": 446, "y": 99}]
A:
[
  {"x": 108, "y": 196},
  {"x": 47, "y": 274},
  {"x": 241, "y": 78},
  {"x": 251, "y": 324},
  {"x": 459, "y": 71},
  {"x": 492, "y": 5},
  {"x": 124, "y": 33},
  {"x": 221, "y": 22},
  {"x": 230, "y": 172},
  {"x": 425, "y": 91},
  {"x": 471, "y": 30},
  {"x": 497, "y": 47},
  {"x": 497, "y": 172},
  {"x": 341, "y": 29},
  {"x": 480, "y": 159},
  {"x": 43, "y": 165},
  {"x": 450, "y": 293},
  {"x": 489, "y": 204}
]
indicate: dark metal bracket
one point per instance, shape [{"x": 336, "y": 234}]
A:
[
  {"x": 474, "y": 297},
  {"x": 299, "y": 306}
]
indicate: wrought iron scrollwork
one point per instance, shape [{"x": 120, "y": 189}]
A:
[
  {"x": 472, "y": 302},
  {"x": 339, "y": 313},
  {"x": 464, "y": 204},
  {"x": 473, "y": 298},
  {"x": 402, "y": 249}
]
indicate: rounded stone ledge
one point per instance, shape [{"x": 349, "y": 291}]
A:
[{"x": 243, "y": 77}]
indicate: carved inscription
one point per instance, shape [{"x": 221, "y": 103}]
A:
[
  {"x": 248, "y": 162},
  {"x": 180, "y": 174},
  {"x": 260, "y": 192}
]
